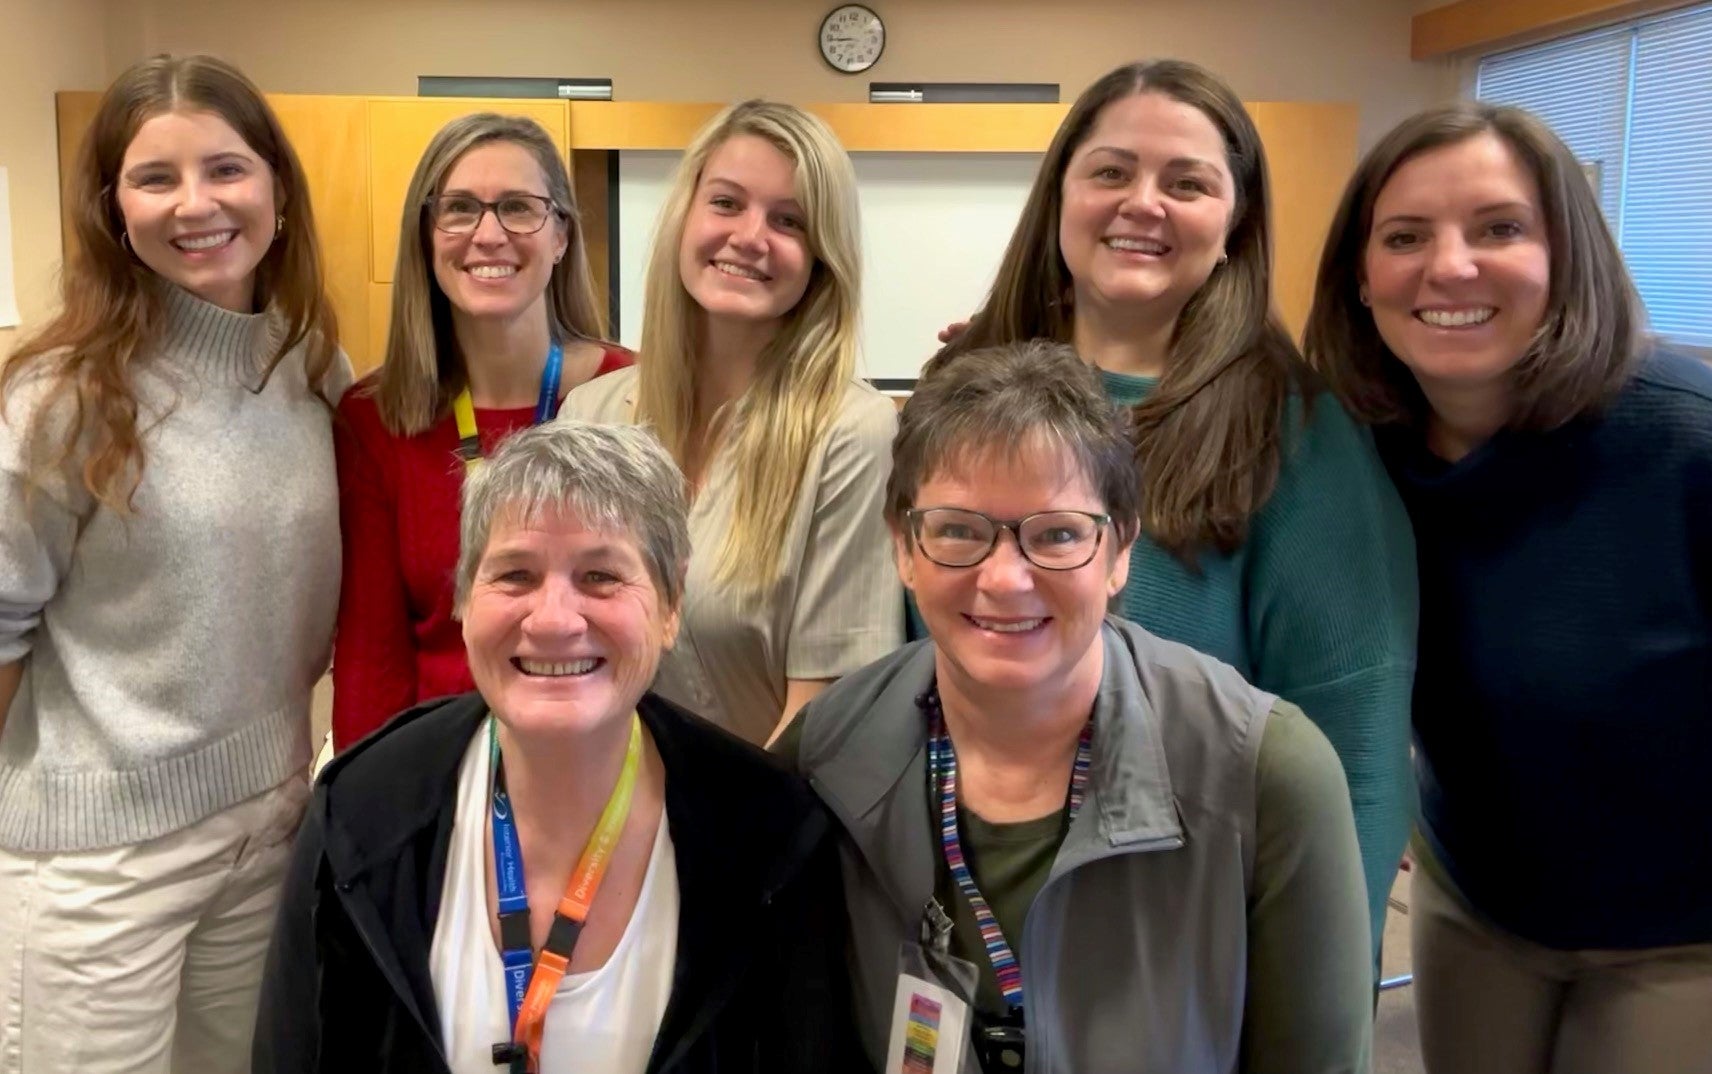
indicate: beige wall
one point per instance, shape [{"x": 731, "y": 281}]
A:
[
  {"x": 1344, "y": 50},
  {"x": 706, "y": 50},
  {"x": 44, "y": 47}
]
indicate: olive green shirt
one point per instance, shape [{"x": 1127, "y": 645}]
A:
[{"x": 1296, "y": 860}]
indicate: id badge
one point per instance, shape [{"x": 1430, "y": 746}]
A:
[{"x": 930, "y": 1022}]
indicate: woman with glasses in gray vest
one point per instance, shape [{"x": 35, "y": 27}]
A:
[{"x": 1070, "y": 845}]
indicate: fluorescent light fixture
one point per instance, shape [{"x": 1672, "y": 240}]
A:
[
  {"x": 963, "y": 92},
  {"x": 573, "y": 89}
]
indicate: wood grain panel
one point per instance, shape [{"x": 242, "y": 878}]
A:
[
  {"x": 636, "y": 124},
  {"x": 589, "y": 179},
  {"x": 75, "y": 112},
  {"x": 331, "y": 138},
  {"x": 400, "y": 128},
  {"x": 380, "y": 316},
  {"x": 953, "y": 128},
  {"x": 1470, "y": 24},
  {"x": 1310, "y": 153}
]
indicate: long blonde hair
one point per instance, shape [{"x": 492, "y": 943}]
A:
[
  {"x": 423, "y": 369},
  {"x": 1209, "y": 439},
  {"x": 112, "y": 311},
  {"x": 800, "y": 377}
]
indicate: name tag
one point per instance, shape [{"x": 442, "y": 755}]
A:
[{"x": 930, "y": 1029}]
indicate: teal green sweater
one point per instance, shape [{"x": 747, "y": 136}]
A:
[{"x": 1319, "y": 606}]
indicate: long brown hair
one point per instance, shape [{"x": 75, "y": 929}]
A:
[
  {"x": 424, "y": 369},
  {"x": 112, "y": 311},
  {"x": 801, "y": 377},
  {"x": 1208, "y": 438},
  {"x": 1590, "y": 335}
]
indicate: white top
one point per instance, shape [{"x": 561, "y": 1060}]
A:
[{"x": 604, "y": 1020}]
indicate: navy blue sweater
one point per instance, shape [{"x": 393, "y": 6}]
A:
[{"x": 1563, "y": 695}]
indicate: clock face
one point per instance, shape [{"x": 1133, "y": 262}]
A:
[{"x": 852, "y": 38}]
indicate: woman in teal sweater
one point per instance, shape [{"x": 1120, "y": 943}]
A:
[{"x": 1271, "y": 537}]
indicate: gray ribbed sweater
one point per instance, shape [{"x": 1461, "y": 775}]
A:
[{"x": 170, "y": 654}]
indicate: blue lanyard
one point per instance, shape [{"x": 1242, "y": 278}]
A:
[
  {"x": 547, "y": 403},
  {"x": 517, "y": 954},
  {"x": 942, "y": 768}
]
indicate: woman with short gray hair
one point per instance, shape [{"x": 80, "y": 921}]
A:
[{"x": 561, "y": 871}]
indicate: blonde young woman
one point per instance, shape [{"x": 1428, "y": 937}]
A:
[
  {"x": 747, "y": 374},
  {"x": 494, "y": 319},
  {"x": 169, "y": 570}
]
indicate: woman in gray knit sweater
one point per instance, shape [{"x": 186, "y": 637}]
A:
[{"x": 169, "y": 569}]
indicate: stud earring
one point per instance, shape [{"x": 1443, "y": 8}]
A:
[
  {"x": 1224, "y": 259},
  {"x": 279, "y": 223},
  {"x": 1366, "y": 300}
]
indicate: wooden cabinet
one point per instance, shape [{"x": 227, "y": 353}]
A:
[
  {"x": 359, "y": 154},
  {"x": 330, "y": 137}
]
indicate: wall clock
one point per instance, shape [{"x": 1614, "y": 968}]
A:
[{"x": 852, "y": 38}]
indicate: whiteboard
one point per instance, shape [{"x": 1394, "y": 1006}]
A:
[{"x": 934, "y": 226}]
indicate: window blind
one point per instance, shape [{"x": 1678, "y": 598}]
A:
[
  {"x": 1667, "y": 201},
  {"x": 1634, "y": 103}
]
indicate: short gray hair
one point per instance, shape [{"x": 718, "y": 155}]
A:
[
  {"x": 1010, "y": 398},
  {"x": 615, "y": 478}
]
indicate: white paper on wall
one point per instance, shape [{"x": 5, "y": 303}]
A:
[{"x": 8, "y": 293}]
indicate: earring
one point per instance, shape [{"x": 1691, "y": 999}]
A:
[
  {"x": 1365, "y": 300},
  {"x": 279, "y": 223},
  {"x": 125, "y": 241},
  {"x": 1224, "y": 259}
]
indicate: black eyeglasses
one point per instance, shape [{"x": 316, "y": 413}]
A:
[
  {"x": 1051, "y": 540},
  {"x": 460, "y": 214}
]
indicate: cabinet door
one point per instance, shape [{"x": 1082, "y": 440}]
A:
[
  {"x": 399, "y": 130},
  {"x": 1310, "y": 153},
  {"x": 330, "y": 136}
]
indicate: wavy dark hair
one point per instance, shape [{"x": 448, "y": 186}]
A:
[{"x": 1209, "y": 438}]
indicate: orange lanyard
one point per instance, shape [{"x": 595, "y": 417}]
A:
[{"x": 532, "y": 980}]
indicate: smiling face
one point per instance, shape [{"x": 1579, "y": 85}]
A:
[
  {"x": 1006, "y": 630},
  {"x": 745, "y": 254},
  {"x": 489, "y": 273},
  {"x": 199, "y": 206},
  {"x": 1147, "y": 203},
  {"x": 563, "y": 625},
  {"x": 1457, "y": 266}
]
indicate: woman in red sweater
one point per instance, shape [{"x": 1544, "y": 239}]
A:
[{"x": 494, "y": 319}]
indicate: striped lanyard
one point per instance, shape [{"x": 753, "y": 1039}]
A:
[
  {"x": 942, "y": 765},
  {"x": 546, "y": 405},
  {"x": 530, "y": 983}
]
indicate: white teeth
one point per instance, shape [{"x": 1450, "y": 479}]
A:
[
  {"x": 1017, "y": 627},
  {"x": 205, "y": 242},
  {"x": 1138, "y": 246},
  {"x": 492, "y": 272},
  {"x": 738, "y": 270},
  {"x": 1457, "y": 318},
  {"x": 575, "y": 667}
]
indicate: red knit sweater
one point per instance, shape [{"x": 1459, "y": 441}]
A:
[{"x": 397, "y": 642}]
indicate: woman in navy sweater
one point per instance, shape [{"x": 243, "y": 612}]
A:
[{"x": 1558, "y": 470}]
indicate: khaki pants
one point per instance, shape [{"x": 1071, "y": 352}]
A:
[
  {"x": 144, "y": 959},
  {"x": 1491, "y": 1003}
]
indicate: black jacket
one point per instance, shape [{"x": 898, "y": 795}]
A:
[{"x": 760, "y": 982}]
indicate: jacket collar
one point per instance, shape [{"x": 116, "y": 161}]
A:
[
  {"x": 742, "y": 827},
  {"x": 873, "y": 774}
]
